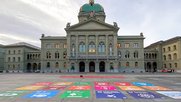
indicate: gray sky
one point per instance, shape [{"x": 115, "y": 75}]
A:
[{"x": 26, "y": 20}]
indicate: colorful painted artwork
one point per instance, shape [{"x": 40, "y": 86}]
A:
[
  {"x": 63, "y": 83},
  {"x": 30, "y": 88},
  {"x": 42, "y": 94},
  {"x": 131, "y": 88},
  {"x": 55, "y": 88},
  {"x": 171, "y": 94},
  {"x": 101, "y": 83},
  {"x": 156, "y": 88},
  {"x": 143, "y": 95},
  {"x": 80, "y": 88},
  {"x": 76, "y": 94},
  {"x": 101, "y": 88},
  {"x": 142, "y": 84},
  {"x": 122, "y": 84},
  {"x": 11, "y": 94},
  {"x": 82, "y": 83},
  {"x": 110, "y": 95},
  {"x": 42, "y": 84}
]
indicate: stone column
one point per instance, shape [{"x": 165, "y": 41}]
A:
[
  {"x": 107, "y": 45},
  {"x": 76, "y": 45},
  {"x": 86, "y": 44},
  {"x": 87, "y": 66},
  {"x": 96, "y": 66},
  {"x": 97, "y": 44}
]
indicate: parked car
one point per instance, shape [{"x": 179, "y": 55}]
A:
[{"x": 167, "y": 70}]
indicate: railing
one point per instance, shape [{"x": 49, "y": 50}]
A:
[{"x": 91, "y": 57}]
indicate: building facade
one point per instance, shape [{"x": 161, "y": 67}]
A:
[
  {"x": 15, "y": 57},
  {"x": 168, "y": 54},
  {"x": 1, "y": 58},
  {"x": 92, "y": 45}
]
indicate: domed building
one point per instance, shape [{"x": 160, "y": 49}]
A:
[{"x": 92, "y": 45}]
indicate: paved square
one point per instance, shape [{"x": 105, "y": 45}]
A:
[{"x": 54, "y": 88}]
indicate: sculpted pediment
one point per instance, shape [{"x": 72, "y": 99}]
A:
[{"x": 92, "y": 25}]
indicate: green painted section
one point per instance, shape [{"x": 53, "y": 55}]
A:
[
  {"x": 76, "y": 94},
  {"x": 90, "y": 8},
  {"x": 82, "y": 83}
]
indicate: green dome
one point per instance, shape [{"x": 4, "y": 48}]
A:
[{"x": 89, "y": 8}]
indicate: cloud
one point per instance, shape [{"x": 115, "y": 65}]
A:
[{"x": 30, "y": 18}]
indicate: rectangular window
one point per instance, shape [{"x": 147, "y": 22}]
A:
[
  {"x": 14, "y": 59},
  {"x": 118, "y": 45},
  {"x": 163, "y": 49},
  {"x": 57, "y": 46},
  {"x": 48, "y": 46},
  {"x": 19, "y": 51},
  {"x": 175, "y": 47},
  {"x": 64, "y": 46},
  {"x": 135, "y": 45},
  {"x": 169, "y": 49},
  {"x": 19, "y": 59},
  {"x": 127, "y": 45},
  {"x": 9, "y": 59},
  {"x": 9, "y": 52}
]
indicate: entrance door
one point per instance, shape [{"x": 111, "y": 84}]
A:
[
  {"x": 81, "y": 67},
  {"x": 29, "y": 67},
  {"x": 102, "y": 66},
  {"x": 91, "y": 67}
]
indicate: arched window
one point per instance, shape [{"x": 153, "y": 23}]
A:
[
  {"x": 164, "y": 57},
  {"x": 101, "y": 47},
  {"x": 127, "y": 64},
  {"x": 48, "y": 54},
  {"x": 48, "y": 64},
  {"x": 127, "y": 54},
  {"x": 175, "y": 56},
  {"x": 82, "y": 47},
  {"x": 136, "y": 54},
  {"x": 111, "y": 66},
  {"x": 64, "y": 54},
  {"x": 28, "y": 56},
  {"x": 170, "y": 57},
  {"x": 136, "y": 64},
  {"x": 175, "y": 65},
  {"x": 57, "y": 55},
  {"x": 92, "y": 47},
  {"x": 56, "y": 65}
]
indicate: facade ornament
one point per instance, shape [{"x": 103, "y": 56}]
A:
[
  {"x": 115, "y": 24},
  {"x": 68, "y": 25}
]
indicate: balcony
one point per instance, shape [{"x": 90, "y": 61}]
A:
[{"x": 92, "y": 57}]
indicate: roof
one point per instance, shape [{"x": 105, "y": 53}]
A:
[
  {"x": 53, "y": 38},
  {"x": 92, "y": 20},
  {"x": 131, "y": 37},
  {"x": 87, "y": 8},
  {"x": 172, "y": 39},
  {"x": 21, "y": 44}
]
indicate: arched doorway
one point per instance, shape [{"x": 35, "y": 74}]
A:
[
  {"x": 29, "y": 67},
  {"x": 149, "y": 66},
  {"x": 102, "y": 66},
  {"x": 81, "y": 67},
  {"x": 91, "y": 67},
  {"x": 34, "y": 67},
  {"x": 154, "y": 67}
]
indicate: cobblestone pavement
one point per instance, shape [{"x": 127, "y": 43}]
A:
[{"x": 92, "y": 87}]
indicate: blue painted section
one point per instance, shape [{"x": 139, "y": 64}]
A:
[
  {"x": 143, "y": 95},
  {"x": 110, "y": 95},
  {"x": 42, "y": 94},
  {"x": 142, "y": 84}
]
